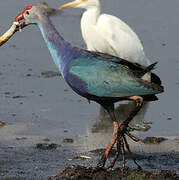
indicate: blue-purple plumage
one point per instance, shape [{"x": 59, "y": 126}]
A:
[
  {"x": 55, "y": 43},
  {"x": 93, "y": 75}
]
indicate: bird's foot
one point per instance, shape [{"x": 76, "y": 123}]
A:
[
  {"x": 101, "y": 162},
  {"x": 121, "y": 145},
  {"x": 124, "y": 144}
]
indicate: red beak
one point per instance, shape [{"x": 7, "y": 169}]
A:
[{"x": 19, "y": 17}]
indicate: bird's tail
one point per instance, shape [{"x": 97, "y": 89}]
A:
[
  {"x": 145, "y": 73},
  {"x": 149, "y": 68}
]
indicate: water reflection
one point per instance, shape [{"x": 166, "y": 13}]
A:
[
  {"x": 99, "y": 135},
  {"x": 122, "y": 111}
]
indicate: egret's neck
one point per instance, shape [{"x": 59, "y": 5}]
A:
[
  {"x": 60, "y": 50},
  {"x": 90, "y": 16},
  {"x": 88, "y": 24}
]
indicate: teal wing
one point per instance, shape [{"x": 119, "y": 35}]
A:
[{"x": 106, "y": 79}]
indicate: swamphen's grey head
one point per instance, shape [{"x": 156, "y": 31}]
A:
[{"x": 30, "y": 15}]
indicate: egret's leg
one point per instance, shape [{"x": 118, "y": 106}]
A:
[{"x": 112, "y": 141}]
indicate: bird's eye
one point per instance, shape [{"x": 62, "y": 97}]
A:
[{"x": 27, "y": 12}]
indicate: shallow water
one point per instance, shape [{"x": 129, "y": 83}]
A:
[{"x": 49, "y": 109}]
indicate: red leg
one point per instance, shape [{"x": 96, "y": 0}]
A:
[
  {"x": 116, "y": 154},
  {"x": 123, "y": 130},
  {"x": 119, "y": 135},
  {"x": 131, "y": 153},
  {"x": 123, "y": 153},
  {"x": 112, "y": 141}
]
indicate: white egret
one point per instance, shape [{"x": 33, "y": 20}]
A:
[{"x": 108, "y": 34}]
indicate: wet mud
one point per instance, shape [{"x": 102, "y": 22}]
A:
[{"x": 86, "y": 173}]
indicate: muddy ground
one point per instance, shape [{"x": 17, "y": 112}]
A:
[{"x": 45, "y": 125}]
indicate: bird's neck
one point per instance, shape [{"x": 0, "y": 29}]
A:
[
  {"x": 90, "y": 16},
  {"x": 88, "y": 24},
  {"x": 60, "y": 50}
]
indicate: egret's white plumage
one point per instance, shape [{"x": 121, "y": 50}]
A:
[{"x": 108, "y": 34}]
